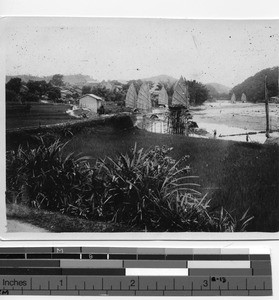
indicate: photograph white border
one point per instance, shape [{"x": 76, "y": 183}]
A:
[{"x": 179, "y": 9}]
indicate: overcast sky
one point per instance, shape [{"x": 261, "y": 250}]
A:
[{"x": 225, "y": 52}]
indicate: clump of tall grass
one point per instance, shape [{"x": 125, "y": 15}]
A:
[
  {"x": 141, "y": 183},
  {"x": 143, "y": 189},
  {"x": 45, "y": 179}
]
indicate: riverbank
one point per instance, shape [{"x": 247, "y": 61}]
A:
[{"x": 236, "y": 118}]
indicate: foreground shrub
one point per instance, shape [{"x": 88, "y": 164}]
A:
[
  {"x": 148, "y": 190},
  {"x": 152, "y": 191},
  {"x": 46, "y": 180},
  {"x": 138, "y": 183}
]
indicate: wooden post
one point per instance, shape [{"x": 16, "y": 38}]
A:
[{"x": 266, "y": 107}]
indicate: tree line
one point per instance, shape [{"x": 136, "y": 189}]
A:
[
  {"x": 197, "y": 91},
  {"x": 32, "y": 91}
]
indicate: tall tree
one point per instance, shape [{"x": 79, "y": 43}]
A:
[
  {"x": 54, "y": 93},
  {"x": 14, "y": 84},
  {"x": 86, "y": 89},
  {"x": 198, "y": 92},
  {"x": 38, "y": 87},
  {"x": 12, "y": 96},
  {"x": 57, "y": 80}
]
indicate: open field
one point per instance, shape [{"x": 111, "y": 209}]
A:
[
  {"x": 235, "y": 175},
  {"x": 40, "y": 114}
]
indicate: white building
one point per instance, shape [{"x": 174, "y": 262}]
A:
[{"x": 91, "y": 102}]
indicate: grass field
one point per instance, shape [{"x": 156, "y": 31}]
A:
[
  {"x": 40, "y": 114},
  {"x": 235, "y": 175}
]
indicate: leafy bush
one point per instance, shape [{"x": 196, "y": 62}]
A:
[{"x": 136, "y": 184}]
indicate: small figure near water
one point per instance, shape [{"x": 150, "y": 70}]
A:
[{"x": 214, "y": 133}]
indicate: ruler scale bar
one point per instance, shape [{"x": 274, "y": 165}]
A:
[{"x": 135, "y": 271}]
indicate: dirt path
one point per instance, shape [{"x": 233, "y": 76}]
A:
[{"x": 18, "y": 226}]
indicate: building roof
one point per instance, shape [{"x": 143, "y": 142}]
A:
[{"x": 92, "y": 96}]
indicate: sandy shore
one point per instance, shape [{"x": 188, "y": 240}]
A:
[
  {"x": 230, "y": 121},
  {"x": 247, "y": 116}
]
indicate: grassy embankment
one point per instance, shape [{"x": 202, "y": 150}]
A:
[
  {"x": 46, "y": 114},
  {"x": 39, "y": 114},
  {"x": 235, "y": 175}
]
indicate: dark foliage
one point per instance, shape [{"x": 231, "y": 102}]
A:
[
  {"x": 54, "y": 93},
  {"x": 254, "y": 86},
  {"x": 144, "y": 189},
  {"x": 198, "y": 92},
  {"x": 57, "y": 80},
  {"x": 30, "y": 97},
  {"x": 12, "y": 96},
  {"x": 38, "y": 87},
  {"x": 14, "y": 84}
]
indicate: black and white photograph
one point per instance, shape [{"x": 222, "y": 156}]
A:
[{"x": 141, "y": 125}]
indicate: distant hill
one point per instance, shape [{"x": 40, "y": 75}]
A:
[
  {"x": 26, "y": 77},
  {"x": 160, "y": 78},
  {"x": 253, "y": 86},
  {"x": 220, "y": 88},
  {"x": 77, "y": 79}
]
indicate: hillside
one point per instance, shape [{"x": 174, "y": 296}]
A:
[
  {"x": 27, "y": 77},
  {"x": 160, "y": 78},
  {"x": 220, "y": 88},
  {"x": 253, "y": 86},
  {"x": 78, "y": 79},
  {"x": 218, "y": 91}
]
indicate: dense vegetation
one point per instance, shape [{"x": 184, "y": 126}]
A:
[
  {"x": 146, "y": 189},
  {"x": 18, "y": 91},
  {"x": 254, "y": 86},
  {"x": 197, "y": 91},
  {"x": 236, "y": 176}
]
